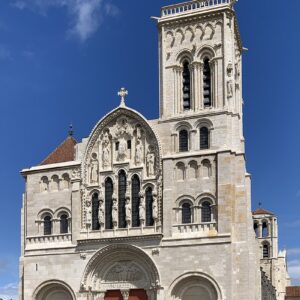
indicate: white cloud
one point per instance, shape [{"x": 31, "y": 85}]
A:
[
  {"x": 293, "y": 251},
  {"x": 9, "y": 291},
  {"x": 4, "y": 53},
  {"x": 85, "y": 16},
  {"x": 294, "y": 271}
]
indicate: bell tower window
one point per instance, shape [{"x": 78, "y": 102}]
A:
[
  {"x": 186, "y": 89},
  {"x": 204, "y": 138},
  {"x": 183, "y": 141},
  {"x": 206, "y": 83}
]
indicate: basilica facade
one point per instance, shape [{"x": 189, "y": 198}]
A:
[{"x": 154, "y": 209}]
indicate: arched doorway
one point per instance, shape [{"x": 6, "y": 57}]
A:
[
  {"x": 121, "y": 272},
  {"x": 195, "y": 286},
  {"x": 138, "y": 294},
  {"x": 54, "y": 290}
]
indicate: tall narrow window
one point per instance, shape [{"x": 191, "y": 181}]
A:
[
  {"x": 108, "y": 203},
  {"x": 95, "y": 212},
  {"x": 204, "y": 138},
  {"x": 206, "y": 212},
  {"x": 122, "y": 199},
  {"x": 186, "y": 213},
  {"x": 47, "y": 225},
  {"x": 255, "y": 227},
  {"x": 266, "y": 251},
  {"x": 64, "y": 226},
  {"x": 206, "y": 83},
  {"x": 135, "y": 186},
  {"x": 183, "y": 141},
  {"x": 186, "y": 86},
  {"x": 265, "y": 232},
  {"x": 149, "y": 211}
]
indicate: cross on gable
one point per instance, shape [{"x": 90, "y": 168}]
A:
[{"x": 123, "y": 93}]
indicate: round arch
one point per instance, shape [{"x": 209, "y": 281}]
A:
[
  {"x": 123, "y": 263},
  {"x": 193, "y": 286},
  {"x": 54, "y": 290}
]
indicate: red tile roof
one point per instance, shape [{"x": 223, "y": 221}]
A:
[
  {"x": 262, "y": 211},
  {"x": 63, "y": 153},
  {"x": 293, "y": 291}
]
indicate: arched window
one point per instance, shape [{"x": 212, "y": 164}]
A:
[
  {"x": 64, "y": 224},
  {"x": 266, "y": 251},
  {"x": 122, "y": 199},
  {"x": 204, "y": 138},
  {"x": 206, "y": 212},
  {"x": 95, "y": 212},
  {"x": 183, "y": 141},
  {"x": 186, "y": 86},
  {"x": 149, "y": 211},
  {"x": 206, "y": 83},
  {"x": 186, "y": 213},
  {"x": 265, "y": 232},
  {"x": 109, "y": 188},
  {"x": 255, "y": 227},
  {"x": 47, "y": 225},
  {"x": 135, "y": 190}
]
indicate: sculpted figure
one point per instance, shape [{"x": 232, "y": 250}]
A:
[
  {"x": 154, "y": 206},
  {"x": 142, "y": 209},
  {"x": 128, "y": 210},
  {"x": 229, "y": 88},
  {"x": 122, "y": 149},
  {"x": 115, "y": 212},
  {"x": 101, "y": 213},
  {"x": 150, "y": 163},
  {"x": 94, "y": 169},
  {"x": 89, "y": 216},
  {"x": 139, "y": 153},
  {"x": 106, "y": 151}
]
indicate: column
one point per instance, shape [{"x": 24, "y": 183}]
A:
[
  {"x": 197, "y": 92},
  {"x": 177, "y": 71}
]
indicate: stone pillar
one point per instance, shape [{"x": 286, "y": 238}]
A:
[
  {"x": 178, "y": 94},
  {"x": 197, "y": 85}
]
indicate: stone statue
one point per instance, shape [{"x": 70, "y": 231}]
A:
[
  {"x": 229, "y": 88},
  {"x": 139, "y": 153},
  {"x": 115, "y": 212},
  {"x": 122, "y": 152},
  {"x": 142, "y": 209},
  {"x": 154, "y": 206},
  {"x": 150, "y": 163},
  {"x": 101, "y": 212},
  {"x": 94, "y": 169},
  {"x": 89, "y": 215},
  {"x": 128, "y": 211},
  {"x": 106, "y": 151}
]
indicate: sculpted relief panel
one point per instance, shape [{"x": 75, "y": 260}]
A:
[{"x": 122, "y": 141}]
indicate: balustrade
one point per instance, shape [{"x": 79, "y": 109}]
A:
[
  {"x": 176, "y": 9},
  {"x": 195, "y": 229}
]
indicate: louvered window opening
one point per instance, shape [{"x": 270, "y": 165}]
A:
[
  {"x": 135, "y": 201},
  {"x": 186, "y": 86},
  {"x": 255, "y": 227},
  {"x": 206, "y": 84},
  {"x": 206, "y": 212},
  {"x": 64, "y": 226},
  {"x": 47, "y": 225},
  {"x": 95, "y": 212},
  {"x": 183, "y": 141},
  {"x": 108, "y": 203},
  {"x": 122, "y": 199},
  {"x": 149, "y": 205},
  {"x": 186, "y": 213},
  {"x": 204, "y": 138},
  {"x": 266, "y": 251}
]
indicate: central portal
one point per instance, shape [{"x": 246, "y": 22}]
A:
[{"x": 133, "y": 295}]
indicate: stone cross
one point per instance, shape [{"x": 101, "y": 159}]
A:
[{"x": 123, "y": 93}]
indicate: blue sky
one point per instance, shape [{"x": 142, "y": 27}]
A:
[{"x": 63, "y": 61}]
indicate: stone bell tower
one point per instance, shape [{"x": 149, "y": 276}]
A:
[{"x": 200, "y": 61}]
